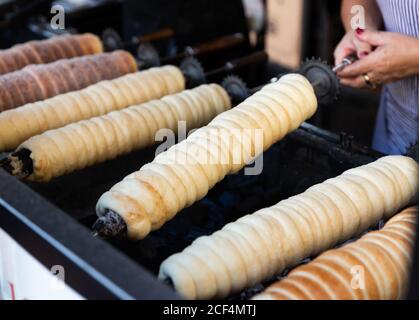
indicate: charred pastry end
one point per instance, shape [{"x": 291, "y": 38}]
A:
[
  {"x": 110, "y": 225},
  {"x": 19, "y": 164}
]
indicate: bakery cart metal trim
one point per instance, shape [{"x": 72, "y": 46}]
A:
[
  {"x": 112, "y": 287},
  {"x": 89, "y": 275}
]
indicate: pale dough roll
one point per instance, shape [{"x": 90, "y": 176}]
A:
[
  {"x": 78, "y": 145},
  {"x": 197, "y": 164},
  {"x": 22, "y": 123},
  {"x": 384, "y": 256},
  {"x": 259, "y": 246}
]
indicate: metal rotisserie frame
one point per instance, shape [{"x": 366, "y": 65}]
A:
[{"x": 51, "y": 221}]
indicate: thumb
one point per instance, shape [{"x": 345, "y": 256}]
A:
[{"x": 373, "y": 38}]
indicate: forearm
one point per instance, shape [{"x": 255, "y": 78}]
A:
[
  {"x": 415, "y": 57},
  {"x": 373, "y": 17}
]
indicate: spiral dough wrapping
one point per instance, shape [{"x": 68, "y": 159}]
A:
[
  {"x": 46, "y": 51},
  {"x": 39, "y": 82},
  {"x": 147, "y": 199},
  {"x": 18, "y": 125},
  {"x": 376, "y": 267},
  {"x": 78, "y": 145},
  {"x": 261, "y": 245}
]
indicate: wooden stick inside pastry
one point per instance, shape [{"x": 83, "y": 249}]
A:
[
  {"x": 176, "y": 179},
  {"x": 82, "y": 144},
  {"x": 259, "y": 246}
]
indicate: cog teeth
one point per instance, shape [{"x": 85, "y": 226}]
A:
[
  {"x": 233, "y": 79},
  {"x": 236, "y": 88},
  {"x": 191, "y": 61},
  {"x": 147, "y": 54},
  {"x": 314, "y": 60},
  {"x": 111, "y": 36},
  {"x": 316, "y": 69},
  {"x": 193, "y": 72}
]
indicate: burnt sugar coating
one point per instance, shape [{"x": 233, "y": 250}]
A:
[
  {"x": 39, "y": 82},
  {"x": 82, "y": 144},
  {"x": 46, "y": 51},
  {"x": 259, "y": 246},
  {"x": 18, "y": 125},
  {"x": 384, "y": 256},
  {"x": 176, "y": 179}
]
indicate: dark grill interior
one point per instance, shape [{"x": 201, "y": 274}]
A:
[{"x": 290, "y": 167}]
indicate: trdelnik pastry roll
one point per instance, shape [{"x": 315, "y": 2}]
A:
[
  {"x": 376, "y": 267},
  {"x": 39, "y": 82},
  {"x": 176, "y": 179},
  {"x": 18, "y": 125},
  {"x": 259, "y": 246},
  {"x": 78, "y": 145},
  {"x": 46, "y": 51}
]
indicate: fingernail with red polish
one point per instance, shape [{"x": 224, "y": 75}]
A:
[
  {"x": 363, "y": 54},
  {"x": 359, "y": 31}
]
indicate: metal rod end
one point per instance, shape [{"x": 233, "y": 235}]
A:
[{"x": 109, "y": 226}]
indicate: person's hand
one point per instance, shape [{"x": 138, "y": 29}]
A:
[
  {"x": 396, "y": 56},
  {"x": 351, "y": 45}
]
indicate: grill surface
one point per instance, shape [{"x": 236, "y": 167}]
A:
[{"x": 301, "y": 160}]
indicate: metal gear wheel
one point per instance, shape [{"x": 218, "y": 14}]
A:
[
  {"x": 111, "y": 40},
  {"x": 236, "y": 88},
  {"x": 324, "y": 80},
  {"x": 193, "y": 72},
  {"x": 147, "y": 56}
]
